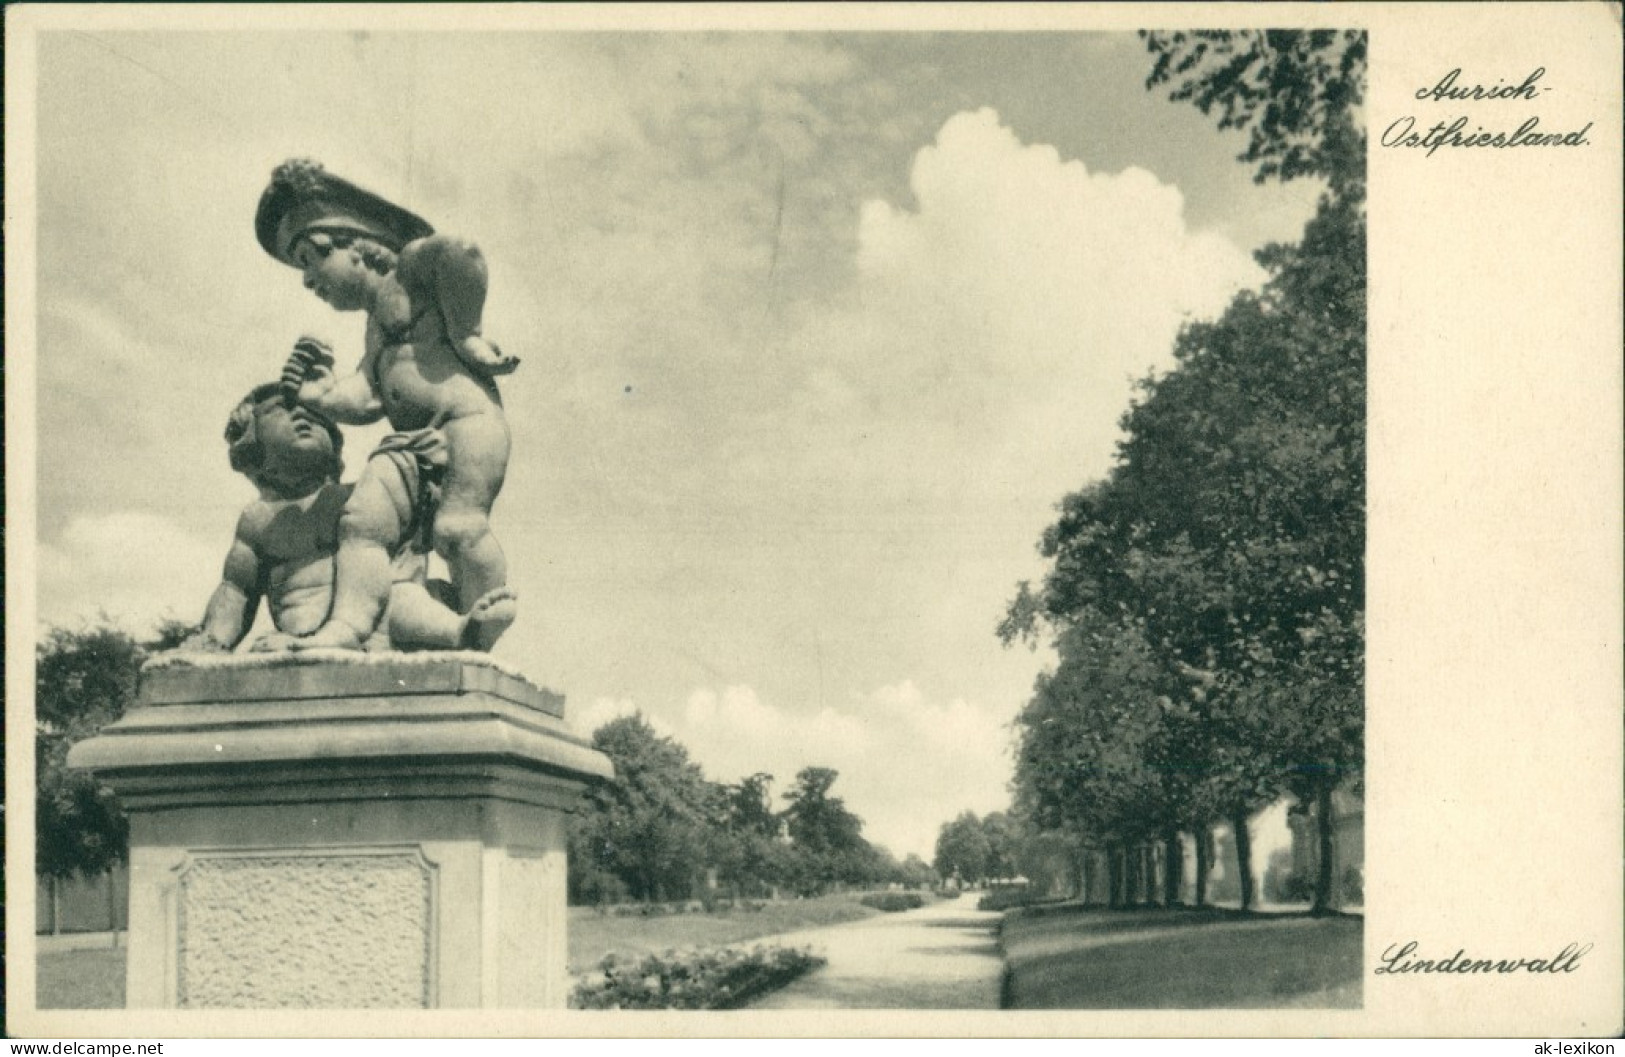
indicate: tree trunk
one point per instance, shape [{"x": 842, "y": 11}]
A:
[
  {"x": 1325, "y": 898},
  {"x": 1116, "y": 883},
  {"x": 1204, "y": 861},
  {"x": 54, "y": 884},
  {"x": 1173, "y": 869},
  {"x": 1080, "y": 865},
  {"x": 1244, "y": 858}
]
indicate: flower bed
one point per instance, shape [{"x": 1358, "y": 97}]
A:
[{"x": 723, "y": 978}]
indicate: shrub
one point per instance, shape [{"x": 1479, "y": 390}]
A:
[
  {"x": 597, "y": 887},
  {"x": 723, "y": 978},
  {"x": 892, "y": 902},
  {"x": 1005, "y": 898},
  {"x": 1297, "y": 888}
]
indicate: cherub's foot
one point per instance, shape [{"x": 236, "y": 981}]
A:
[
  {"x": 330, "y": 636},
  {"x": 275, "y": 642},
  {"x": 489, "y": 618},
  {"x": 202, "y": 642},
  {"x": 486, "y": 356}
]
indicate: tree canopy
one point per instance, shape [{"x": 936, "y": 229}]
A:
[
  {"x": 649, "y": 829},
  {"x": 84, "y": 679},
  {"x": 1206, "y": 599},
  {"x": 978, "y": 849},
  {"x": 1297, "y": 93},
  {"x": 662, "y": 829}
]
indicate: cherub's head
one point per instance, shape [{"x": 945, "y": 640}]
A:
[
  {"x": 340, "y": 263},
  {"x": 283, "y": 448},
  {"x": 303, "y": 200}
]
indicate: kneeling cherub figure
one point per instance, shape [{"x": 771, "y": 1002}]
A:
[{"x": 287, "y": 538}]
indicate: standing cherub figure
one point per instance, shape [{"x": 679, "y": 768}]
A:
[{"x": 426, "y": 369}]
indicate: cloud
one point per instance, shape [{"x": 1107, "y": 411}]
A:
[
  {"x": 138, "y": 568},
  {"x": 1004, "y": 316},
  {"x": 907, "y": 763}
]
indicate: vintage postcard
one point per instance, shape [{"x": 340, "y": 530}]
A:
[{"x": 1069, "y": 520}]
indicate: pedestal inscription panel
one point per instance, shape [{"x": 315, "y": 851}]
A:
[{"x": 335, "y": 929}]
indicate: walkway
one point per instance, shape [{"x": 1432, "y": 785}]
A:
[{"x": 942, "y": 956}]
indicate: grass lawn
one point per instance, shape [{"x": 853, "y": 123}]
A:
[
  {"x": 1071, "y": 957},
  {"x": 82, "y": 979},
  {"x": 94, "y": 979}
]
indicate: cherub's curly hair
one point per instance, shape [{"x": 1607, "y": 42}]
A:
[{"x": 242, "y": 438}]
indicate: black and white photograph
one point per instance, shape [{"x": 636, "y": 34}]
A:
[{"x": 860, "y": 524}]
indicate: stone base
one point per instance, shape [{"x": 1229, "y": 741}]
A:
[{"x": 345, "y": 831}]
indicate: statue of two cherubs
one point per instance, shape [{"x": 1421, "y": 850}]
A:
[{"x": 345, "y": 566}]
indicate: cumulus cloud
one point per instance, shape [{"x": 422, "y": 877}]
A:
[
  {"x": 1019, "y": 297},
  {"x": 138, "y": 568}
]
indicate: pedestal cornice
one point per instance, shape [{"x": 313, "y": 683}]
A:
[{"x": 339, "y": 726}]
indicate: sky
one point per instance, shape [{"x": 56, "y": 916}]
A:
[{"x": 817, "y": 330}]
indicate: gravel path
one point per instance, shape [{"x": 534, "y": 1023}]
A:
[{"x": 942, "y": 956}]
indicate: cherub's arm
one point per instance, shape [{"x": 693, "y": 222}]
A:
[
  {"x": 308, "y": 378},
  {"x": 232, "y": 606},
  {"x": 450, "y": 274}
]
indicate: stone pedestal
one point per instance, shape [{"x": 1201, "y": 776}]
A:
[{"x": 345, "y": 831}]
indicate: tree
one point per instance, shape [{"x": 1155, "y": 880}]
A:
[
  {"x": 1053, "y": 861},
  {"x": 650, "y": 828},
  {"x": 828, "y": 835},
  {"x": 1002, "y": 836},
  {"x": 1087, "y": 763},
  {"x": 817, "y": 821},
  {"x": 746, "y": 849},
  {"x": 749, "y": 806},
  {"x": 963, "y": 850},
  {"x": 916, "y": 872},
  {"x": 84, "y": 679},
  {"x": 1296, "y": 92}
]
